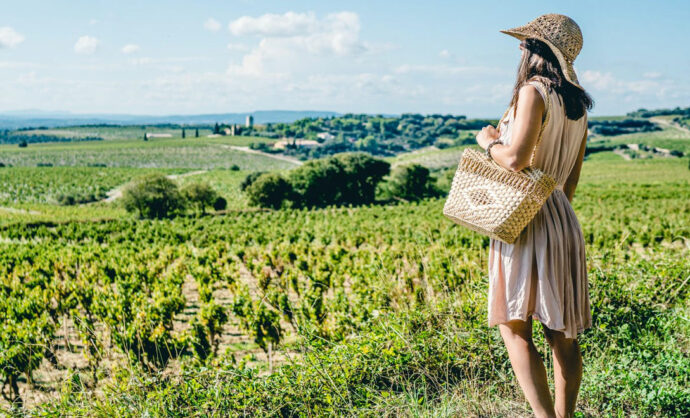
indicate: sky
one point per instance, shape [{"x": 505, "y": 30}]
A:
[{"x": 159, "y": 57}]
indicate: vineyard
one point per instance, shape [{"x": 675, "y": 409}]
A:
[
  {"x": 371, "y": 310},
  {"x": 156, "y": 153}
]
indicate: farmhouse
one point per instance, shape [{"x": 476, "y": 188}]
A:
[
  {"x": 151, "y": 135},
  {"x": 306, "y": 143},
  {"x": 325, "y": 135}
]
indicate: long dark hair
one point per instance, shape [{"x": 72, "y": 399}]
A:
[{"x": 538, "y": 61}]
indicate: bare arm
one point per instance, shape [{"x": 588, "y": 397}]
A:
[
  {"x": 526, "y": 126},
  {"x": 574, "y": 177}
]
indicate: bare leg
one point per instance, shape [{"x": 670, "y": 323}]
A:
[
  {"x": 528, "y": 366},
  {"x": 567, "y": 370}
]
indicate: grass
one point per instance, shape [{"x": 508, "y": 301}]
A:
[{"x": 427, "y": 351}]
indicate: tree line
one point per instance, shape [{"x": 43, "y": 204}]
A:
[{"x": 343, "y": 179}]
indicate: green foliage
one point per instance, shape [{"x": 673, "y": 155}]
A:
[
  {"x": 644, "y": 113},
  {"x": 269, "y": 190},
  {"x": 249, "y": 179},
  {"x": 220, "y": 203},
  {"x": 411, "y": 182},
  {"x": 619, "y": 127},
  {"x": 343, "y": 179},
  {"x": 381, "y": 309},
  {"x": 200, "y": 195},
  {"x": 153, "y": 196},
  {"x": 374, "y": 134}
]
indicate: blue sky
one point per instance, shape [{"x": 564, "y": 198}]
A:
[{"x": 189, "y": 57}]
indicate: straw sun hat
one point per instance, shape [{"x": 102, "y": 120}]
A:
[{"x": 560, "y": 33}]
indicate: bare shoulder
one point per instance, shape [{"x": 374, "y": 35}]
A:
[{"x": 530, "y": 98}]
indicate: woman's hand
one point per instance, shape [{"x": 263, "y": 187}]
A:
[{"x": 486, "y": 135}]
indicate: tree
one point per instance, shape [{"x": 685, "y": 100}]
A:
[
  {"x": 220, "y": 203},
  {"x": 251, "y": 178},
  {"x": 196, "y": 133},
  {"x": 348, "y": 178},
  {"x": 269, "y": 190},
  {"x": 183, "y": 133},
  {"x": 199, "y": 195},
  {"x": 411, "y": 182},
  {"x": 146, "y": 137},
  {"x": 216, "y": 128},
  {"x": 153, "y": 196},
  {"x": 23, "y": 144}
]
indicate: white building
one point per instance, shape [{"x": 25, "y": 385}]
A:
[{"x": 306, "y": 143}]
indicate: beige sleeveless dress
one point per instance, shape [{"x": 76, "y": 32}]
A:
[{"x": 543, "y": 274}]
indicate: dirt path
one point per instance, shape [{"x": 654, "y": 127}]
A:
[
  {"x": 622, "y": 154},
  {"x": 116, "y": 193},
  {"x": 666, "y": 123},
  {"x": 265, "y": 154},
  {"x": 19, "y": 211}
]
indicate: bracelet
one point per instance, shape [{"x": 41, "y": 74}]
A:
[{"x": 488, "y": 148}]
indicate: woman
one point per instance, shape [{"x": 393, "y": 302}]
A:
[{"x": 543, "y": 274}]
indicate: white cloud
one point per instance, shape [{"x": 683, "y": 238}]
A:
[
  {"x": 142, "y": 61},
  {"x": 270, "y": 24},
  {"x": 212, "y": 24},
  {"x": 643, "y": 92},
  {"x": 9, "y": 38},
  {"x": 608, "y": 82},
  {"x": 651, "y": 74},
  {"x": 598, "y": 80},
  {"x": 130, "y": 48},
  {"x": 86, "y": 45},
  {"x": 444, "y": 54},
  {"x": 336, "y": 33},
  {"x": 94, "y": 22},
  {"x": 237, "y": 47},
  {"x": 295, "y": 41},
  {"x": 445, "y": 69}
]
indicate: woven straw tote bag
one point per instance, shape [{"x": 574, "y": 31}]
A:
[{"x": 493, "y": 200}]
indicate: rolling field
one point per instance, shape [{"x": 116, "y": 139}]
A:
[
  {"x": 190, "y": 153},
  {"x": 374, "y": 310}
]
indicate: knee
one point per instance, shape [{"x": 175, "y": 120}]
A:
[
  {"x": 558, "y": 341},
  {"x": 516, "y": 333}
]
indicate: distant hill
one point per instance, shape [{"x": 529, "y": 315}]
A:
[{"x": 35, "y": 118}]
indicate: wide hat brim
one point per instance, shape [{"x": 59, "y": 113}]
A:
[{"x": 524, "y": 32}]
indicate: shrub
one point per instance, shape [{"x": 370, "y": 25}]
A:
[
  {"x": 269, "y": 190},
  {"x": 76, "y": 199},
  {"x": 251, "y": 177},
  {"x": 411, "y": 182},
  {"x": 153, "y": 196},
  {"x": 349, "y": 178},
  {"x": 199, "y": 195},
  {"x": 220, "y": 203}
]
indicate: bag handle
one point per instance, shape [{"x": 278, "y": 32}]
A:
[{"x": 539, "y": 86}]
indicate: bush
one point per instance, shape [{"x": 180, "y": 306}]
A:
[
  {"x": 411, "y": 182},
  {"x": 269, "y": 190},
  {"x": 349, "y": 178},
  {"x": 235, "y": 167},
  {"x": 251, "y": 177},
  {"x": 220, "y": 203},
  {"x": 153, "y": 196},
  {"x": 69, "y": 199},
  {"x": 199, "y": 195}
]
